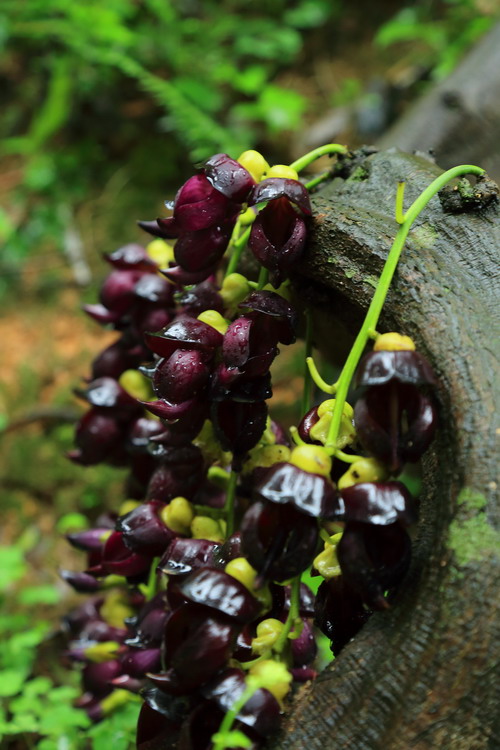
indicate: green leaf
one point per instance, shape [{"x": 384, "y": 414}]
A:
[
  {"x": 11, "y": 682},
  {"x": 39, "y": 595},
  {"x": 72, "y": 522},
  {"x": 12, "y": 566}
]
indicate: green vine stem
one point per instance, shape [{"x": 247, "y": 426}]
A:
[
  {"x": 329, "y": 148},
  {"x": 293, "y": 614},
  {"x": 370, "y": 323},
  {"x": 238, "y": 248},
  {"x": 230, "y": 498}
]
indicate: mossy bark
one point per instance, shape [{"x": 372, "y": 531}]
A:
[{"x": 425, "y": 673}]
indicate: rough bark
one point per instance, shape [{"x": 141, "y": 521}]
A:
[
  {"x": 425, "y": 673},
  {"x": 459, "y": 118}
]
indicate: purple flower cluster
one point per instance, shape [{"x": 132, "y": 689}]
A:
[{"x": 183, "y": 607}]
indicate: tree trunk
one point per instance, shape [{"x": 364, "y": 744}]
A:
[{"x": 423, "y": 674}]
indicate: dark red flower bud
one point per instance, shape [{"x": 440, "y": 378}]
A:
[
  {"x": 136, "y": 662},
  {"x": 107, "y": 393},
  {"x": 277, "y": 540},
  {"x": 98, "y": 436},
  {"x": 374, "y": 559},
  {"x": 181, "y": 376},
  {"x": 83, "y": 583},
  {"x": 395, "y": 423},
  {"x": 239, "y": 426},
  {"x": 279, "y": 314},
  {"x": 340, "y": 613},
  {"x": 184, "y": 333},
  {"x": 101, "y": 314},
  {"x": 281, "y": 187},
  {"x": 381, "y": 367},
  {"x": 153, "y": 288},
  {"x": 311, "y": 494},
  {"x": 143, "y": 530},
  {"x": 117, "y": 292},
  {"x": 131, "y": 256},
  {"x": 120, "y": 560},
  {"x": 380, "y": 503},
  {"x": 181, "y": 277},
  {"x": 183, "y": 556},
  {"x": 261, "y": 713},
  {"x": 198, "y": 251},
  {"x": 204, "y": 296},
  {"x": 229, "y": 177},
  {"x": 221, "y": 592},
  {"x": 278, "y": 239}
]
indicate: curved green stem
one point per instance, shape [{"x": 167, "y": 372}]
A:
[
  {"x": 330, "y": 148},
  {"x": 238, "y": 248},
  {"x": 375, "y": 308},
  {"x": 263, "y": 278},
  {"x": 347, "y": 458},
  {"x": 293, "y": 613},
  {"x": 317, "y": 379}
]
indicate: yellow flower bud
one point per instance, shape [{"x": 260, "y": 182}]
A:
[
  {"x": 127, "y": 506},
  {"x": 268, "y": 632},
  {"x": 311, "y": 458},
  {"x": 136, "y": 384},
  {"x": 273, "y": 676},
  {"x": 214, "y": 319},
  {"x": 326, "y": 563},
  {"x": 115, "y": 609},
  {"x": 116, "y": 699},
  {"x": 204, "y": 527},
  {"x": 161, "y": 252},
  {"x": 254, "y": 162},
  {"x": 347, "y": 433},
  {"x": 393, "y": 342},
  {"x": 282, "y": 170},
  {"x": 178, "y": 515},
  {"x": 241, "y": 569},
  {"x": 101, "y": 652},
  {"x": 266, "y": 455},
  {"x": 364, "y": 470},
  {"x": 235, "y": 288}
]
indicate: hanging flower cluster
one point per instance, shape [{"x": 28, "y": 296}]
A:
[{"x": 198, "y": 603}]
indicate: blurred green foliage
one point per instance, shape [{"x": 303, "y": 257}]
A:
[
  {"x": 35, "y": 709},
  {"x": 436, "y": 35},
  {"x": 156, "y": 84}
]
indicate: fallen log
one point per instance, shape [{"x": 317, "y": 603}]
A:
[{"x": 423, "y": 674}]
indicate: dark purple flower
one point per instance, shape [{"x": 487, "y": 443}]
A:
[
  {"x": 198, "y": 644},
  {"x": 278, "y": 541},
  {"x": 238, "y": 425},
  {"x": 312, "y": 494},
  {"x": 144, "y": 531},
  {"x": 278, "y": 238},
  {"x": 395, "y": 422},
  {"x": 221, "y": 592},
  {"x": 183, "y": 556},
  {"x": 184, "y": 333},
  {"x": 382, "y": 367},
  {"x": 276, "y": 312},
  {"x": 340, "y": 613},
  {"x": 131, "y": 256},
  {"x": 280, "y": 187},
  {"x": 379, "y": 503},
  {"x": 229, "y": 177},
  {"x": 374, "y": 559},
  {"x": 182, "y": 375},
  {"x": 202, "y": 250}
]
